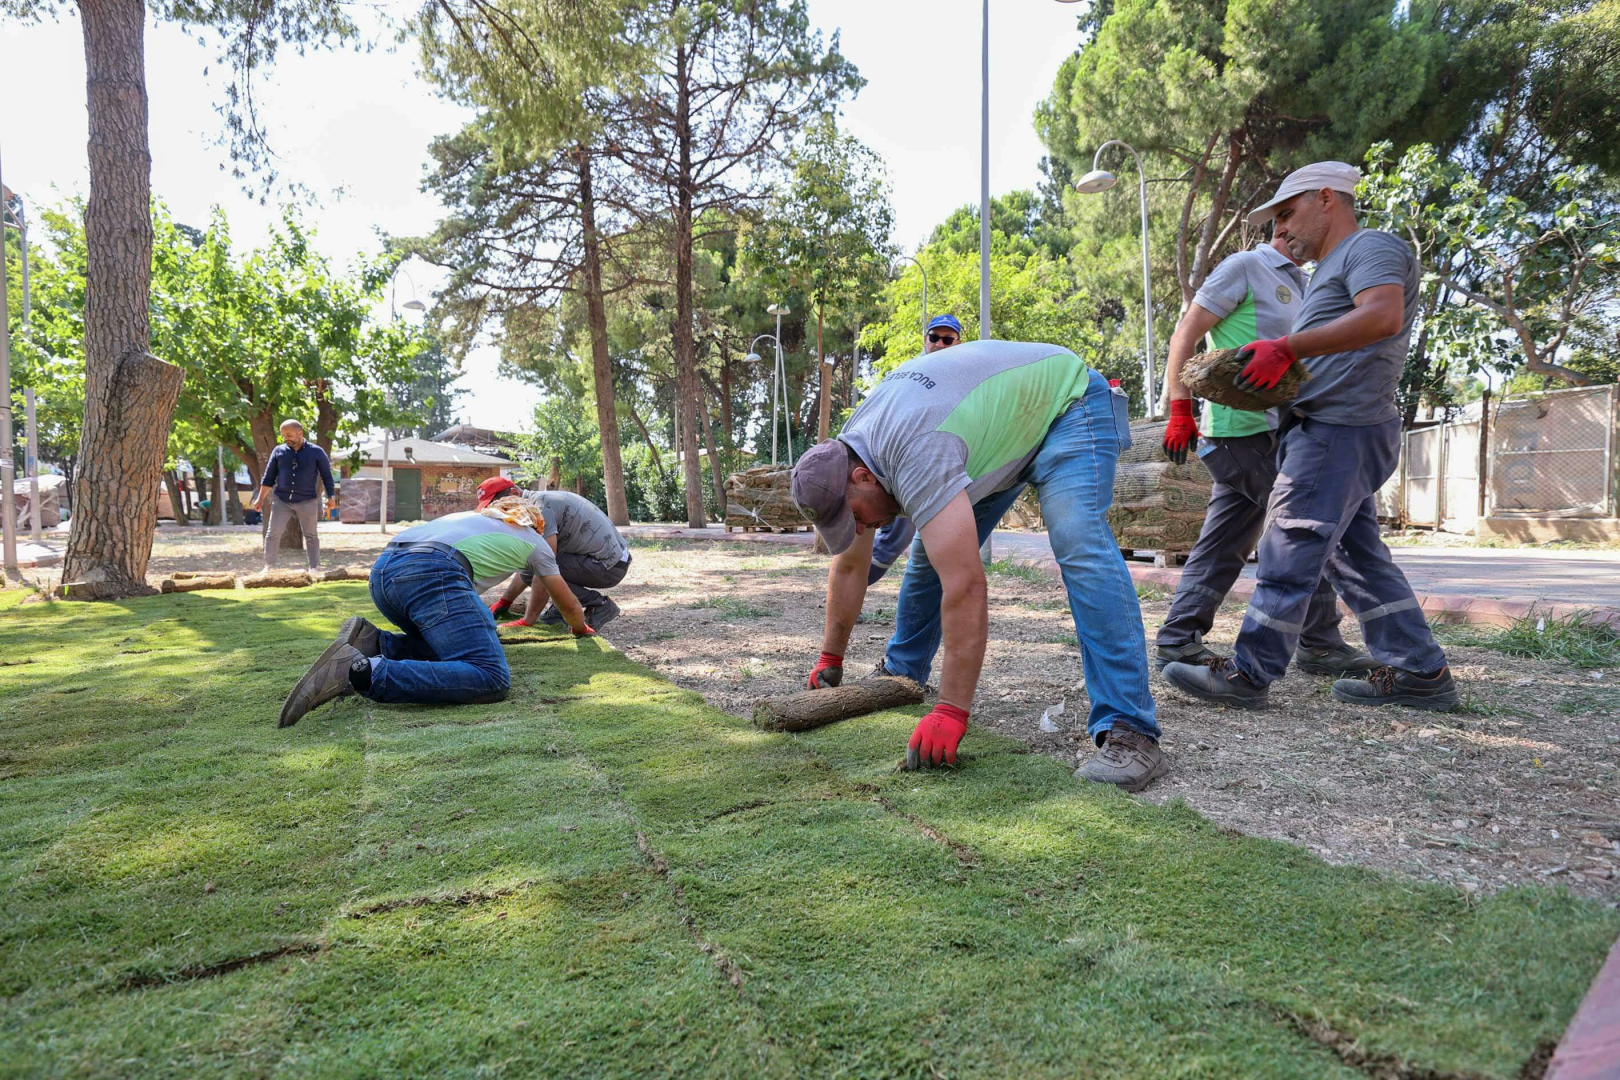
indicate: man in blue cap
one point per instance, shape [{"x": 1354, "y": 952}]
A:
[{"x": 943, "y": 332}]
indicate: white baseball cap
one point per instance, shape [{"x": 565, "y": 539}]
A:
[{"x": 1333, "y": 175}]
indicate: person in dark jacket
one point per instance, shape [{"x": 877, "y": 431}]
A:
[{"x": 291, "y": 479}]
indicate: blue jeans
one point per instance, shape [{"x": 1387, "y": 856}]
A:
[
  {"x": 448, "y": 653},
  {"x": 1073, "y": 475},
  {"x": 1323, "y": 520}
]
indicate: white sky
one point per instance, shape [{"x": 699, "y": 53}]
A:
[{"x": 354, "y": 129}]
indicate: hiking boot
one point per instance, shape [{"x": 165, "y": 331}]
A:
[
  {"x": 326, "y": 679},
  {"x": 1194, "y": 652},
  {"x": 1344, "y": 660},
  {"x": 361, "y": 634},
  {"x": 1127, "y": 759},
  {"x": 600, "y": 614},
  {"x": 1219, "y": 681},
  {"x": 1392, "y": 686}
]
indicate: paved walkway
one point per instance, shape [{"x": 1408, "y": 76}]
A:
[{"x": 1469, "y": 584}]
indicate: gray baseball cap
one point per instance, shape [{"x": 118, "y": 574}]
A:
[
  {"x": 820, "y": 490},
  {"x": 1333, "y": 175}
]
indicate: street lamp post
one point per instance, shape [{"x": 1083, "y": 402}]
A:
[
  {"x": 1098, "y": 180},
  {"x": 985, "y": 333},
  {"x": 924, "y": 271},
  {"x": 780, "y": 310},
  {"x": 776, "y": 371}
]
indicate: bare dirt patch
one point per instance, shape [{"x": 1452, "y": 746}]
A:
[{"x": 1522, "y": 786}]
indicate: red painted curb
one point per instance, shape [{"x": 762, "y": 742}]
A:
[{"x": 1590, "y": 1049}]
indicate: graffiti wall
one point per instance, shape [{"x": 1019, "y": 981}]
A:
[{"x": 450, "y": 489}]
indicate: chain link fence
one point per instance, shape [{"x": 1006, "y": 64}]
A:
[{"x": 1544, "y": 455}]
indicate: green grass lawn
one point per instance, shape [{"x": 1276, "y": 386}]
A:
[{"x": 603, "y": 877}]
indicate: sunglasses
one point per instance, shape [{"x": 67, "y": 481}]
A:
[{"x": 949, "y": 339}]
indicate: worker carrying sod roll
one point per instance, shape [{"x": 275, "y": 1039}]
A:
[
  {"x": 1337, "y": 444},
  {"x": 1251, "y": 294},
  {"x": 949, "y": 440},
  {"x": 427, "y": 582}
]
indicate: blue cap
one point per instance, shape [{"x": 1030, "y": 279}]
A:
[{"x": 948, "y": 321}]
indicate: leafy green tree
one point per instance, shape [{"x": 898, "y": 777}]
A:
[
  {"x": 827, "y": 232},
  {"x": 703, "y": 132},
  {"x": 1541, "y": 276},
  {"x": 1227, "y": 95},
  {"x": 564, "y": 444},
  {"x": 129, "y": 393},
  {"x": 47, "y": 353}
]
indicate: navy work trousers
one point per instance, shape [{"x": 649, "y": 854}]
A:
[
  {"x": 1244, "y": 468},
  {"x": 1323, "y": 519}
]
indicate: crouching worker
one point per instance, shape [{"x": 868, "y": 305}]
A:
[
  {"x": 427, "y": 582},
  {"x": 949, "y": 441},
  {"x": 585, "y": 548}
]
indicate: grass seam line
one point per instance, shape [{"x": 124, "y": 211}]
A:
[
  {"x": 223, "y": 967},
  {"x": 727, "y": 967},
  {"x": 465, "y": 898},
  {"x": 964, "y": 854},
  {"x": 1388, "y": 1066}
]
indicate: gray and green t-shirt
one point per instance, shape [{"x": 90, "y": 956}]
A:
[
  {"x": 1257, "y": 294},
  {"x": 579, "y": 526},
  {"x": 968, "y": 418},
  {"x": 494, "y": 549},
  {"x": 1357, "y": 388}
]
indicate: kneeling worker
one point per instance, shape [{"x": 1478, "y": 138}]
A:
[
  {"x": 1251, "y": 294},
  {"x": 586, "y": 549},
  {"x": 950, "y": 440},
  {"x": 427, "y": 581}
]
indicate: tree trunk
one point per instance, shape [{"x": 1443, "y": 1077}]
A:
[
  {"x": 607, "y": 415},
  {"x": 216, "y": 498},
  {"x": 635, "y": 414},
  {"x": 233, "y": 499},
  {"x": 326, "y": 416},
  {"x": 1203, "y": 256},
  {"x": 199, "y": 484},
  {"x": 726, "y": 419},
  {"x": 685, "y": 346},
  {"x": 824, "y": 381},
  {"x": 715, "y": 467},
  {"x": 554, "y": 480},
  {"x": 177, "y": 506},
  {"x": 581, "y": 486},
  {"x": 129, "y": 393},
  {"x": 262, "y": 425}
]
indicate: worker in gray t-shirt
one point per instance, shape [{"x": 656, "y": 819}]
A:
[
  {"x": 586, "y": 548},
  {"x": 1339, "y": 442}
]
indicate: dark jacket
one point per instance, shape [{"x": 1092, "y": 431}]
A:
[{"x": 293, "y": 472}]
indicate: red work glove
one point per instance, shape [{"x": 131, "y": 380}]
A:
[
  {"x": 829, "y": 671},
  {"x": 519, "y": 622},
  {"x": 498, "y": 608},
  {"x": 935, "y": 738},
  {"x": 1267, "y": 362},
  {"x": 1181, "y": 431},
  {"x": 584, "y": 631}
]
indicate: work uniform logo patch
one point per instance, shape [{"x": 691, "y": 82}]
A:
[{"x": 1284, "y": 294}]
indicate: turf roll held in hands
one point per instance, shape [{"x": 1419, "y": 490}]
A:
[{"x": 1210, "y": 375}]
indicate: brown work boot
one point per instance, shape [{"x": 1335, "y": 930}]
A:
[{"x": 1126, "y": 759}]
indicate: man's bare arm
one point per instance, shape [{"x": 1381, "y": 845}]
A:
[
  {"x": 1189, "y": 332},
  {"x": 1380, "y": 313},
  {"x": 952, "y": 540},
  {"x": 846, "y": 591},
  {"x": 567, "y": 603}
]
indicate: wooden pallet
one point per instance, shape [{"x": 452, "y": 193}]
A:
[
  {"x": 1161, "y": 559},
  {"x": 768, "y": 528}
]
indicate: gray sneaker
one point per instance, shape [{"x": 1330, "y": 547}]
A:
[
  {"x": 1218, "y": 681},
  {"x": 1344, "y": 660},
  {"x": 1194, "y": 652},
  {"x": 326, "y": 679},
  {"x": 1127, "y": 759}
]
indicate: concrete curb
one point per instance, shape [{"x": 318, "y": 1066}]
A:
[
  {"x": 1459, "y": 609},
  {"x": 1590, "y": 1048}
]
